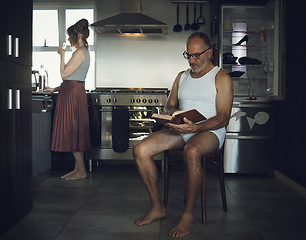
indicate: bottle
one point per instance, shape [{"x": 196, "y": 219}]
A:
[
  {"x": 43, "y": 78},
  {"x": 64, "y": 45}
]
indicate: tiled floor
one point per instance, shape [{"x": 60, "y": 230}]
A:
[{"x": 105, "y": 206}]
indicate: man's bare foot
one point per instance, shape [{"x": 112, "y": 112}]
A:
[
  {"x": 183, "y": 228},
  {"x": 77, "y": 175},
  {"x": 68, "y": 174},
  {"x": 151, "y": 216}
]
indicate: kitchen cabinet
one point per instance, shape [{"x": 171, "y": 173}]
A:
[
  {"x": 250, "y": 50},
  {"x": 15, "y": 149},
  {"x": 15, "y": 111},
  {"x": 16, "y": 45}
]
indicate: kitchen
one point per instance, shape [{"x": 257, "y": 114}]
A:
[{"x": 136, "y": 55}]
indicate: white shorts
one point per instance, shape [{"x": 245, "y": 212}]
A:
[{"x": 220, "y": 133}]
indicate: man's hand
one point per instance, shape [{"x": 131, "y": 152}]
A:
[{"x": 187, "y": 127}]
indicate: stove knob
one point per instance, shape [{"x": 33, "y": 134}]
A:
[
  {"x": 108, "y": 100},
  {"x": 115, "y": 100},
  {"x": 132, "y": 100},
  {"x": 150, "y": 100},
  {"x": 156, "y": 100},
  {"x": 138, "y": 100},
  {"x": 144, "y": 100}
]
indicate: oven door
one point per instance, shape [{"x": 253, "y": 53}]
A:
[{"x": 140, "y": 124}]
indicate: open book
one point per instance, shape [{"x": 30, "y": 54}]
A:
[{"x": 177, "y": 117}]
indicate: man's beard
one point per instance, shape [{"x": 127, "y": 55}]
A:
[{"x": 195, "y": 70}]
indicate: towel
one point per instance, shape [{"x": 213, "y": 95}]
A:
[{"x": 120, "y": 129}]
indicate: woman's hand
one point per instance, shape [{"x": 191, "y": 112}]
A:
[
  {"x": 49, "y": 90},
  {"x": 61, "y": 51}
]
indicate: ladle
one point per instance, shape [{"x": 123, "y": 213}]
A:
[
  {"x": 177, "y": 27},
  {"x": 187, "y": 25},
  {"x": 201, "y": 19},
  {"x": 195, "y": 26}
]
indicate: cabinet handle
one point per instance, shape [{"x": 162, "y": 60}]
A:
[
  {"x": 16, "y": 55},
  {"x": 10, "y": 99},
  {"x": 9, "y": 45},
  {"x": 17, "y": 98}
]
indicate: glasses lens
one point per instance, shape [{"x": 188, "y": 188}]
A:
[
  {"x": 196, "y": 55},
  {"x": 186, "y": 55}
]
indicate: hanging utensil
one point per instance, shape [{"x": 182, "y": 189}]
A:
[
  {"x": 195, "y": 26},
  {"x": 177, "y": 27},
  {"x": 187, "y": 25},
  {"x": 201, "y": 19}
]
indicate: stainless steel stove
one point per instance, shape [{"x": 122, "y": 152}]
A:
[{"x": 136, "y": 105}]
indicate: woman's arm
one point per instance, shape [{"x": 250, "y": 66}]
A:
[{"x": 73, "y": 64}]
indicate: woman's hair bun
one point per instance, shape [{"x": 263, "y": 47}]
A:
[
  {"x": 83, "y": 22},
  {"x": 82, "y": 27}
]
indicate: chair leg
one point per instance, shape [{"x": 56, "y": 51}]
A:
[
  {"x": 222, "y": 184},
  {"x": 166, "y": 177},
  {"x": 203, "y": 192}
]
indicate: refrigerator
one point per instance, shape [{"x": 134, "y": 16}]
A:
[{"x": 250, "y": 49}]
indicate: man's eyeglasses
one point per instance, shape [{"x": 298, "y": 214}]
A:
[{"x": 195, "y": 56}]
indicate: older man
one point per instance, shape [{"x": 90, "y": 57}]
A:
[{"x": 208, "y": 89}]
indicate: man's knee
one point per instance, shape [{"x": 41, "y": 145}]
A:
[
  {"x": 140, "y": 152},
  {"x": 192, "y": 154},
  {"x": 137, "y": 150}
]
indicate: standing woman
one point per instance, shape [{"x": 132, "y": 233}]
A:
[{"x": 70, "y": 131}]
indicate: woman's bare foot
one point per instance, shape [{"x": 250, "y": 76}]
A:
[
  {"x": 68, "y": 174},
  {"x": 183, "y": 228},
  {"x": 77, "y": 175},
  {"x": 151, "y": 216}
]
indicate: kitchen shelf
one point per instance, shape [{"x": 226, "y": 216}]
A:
[
  {"x": 242, "y": 65},
  {"x": 245, "y": 46},
  {"x": 188, "y": 2},
  {"x": 246, "y": 32}
]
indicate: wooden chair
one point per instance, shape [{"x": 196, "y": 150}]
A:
[{"x": 215, "y": 161}]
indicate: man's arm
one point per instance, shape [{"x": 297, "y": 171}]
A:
[
  {"x": 224, "y": 100},
  {"x": 172, "y": 101}
]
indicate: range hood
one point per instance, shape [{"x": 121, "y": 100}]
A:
[{"x": 131, "y": 20}]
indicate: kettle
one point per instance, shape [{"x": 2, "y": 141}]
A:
[
  {"x": 43, "y": 80},
  {"x": 35, "y": 76}
]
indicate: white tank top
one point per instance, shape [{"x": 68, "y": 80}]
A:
[{"x": 199, "y": 93}]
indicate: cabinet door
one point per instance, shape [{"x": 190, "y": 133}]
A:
[
  {"x": 6, "y": 34},
  {"x": 22, "y": 32},
  {"x": 23, "y": 147},
  {"x": 7, "y": 156},
  {"x": 16, "y": 36}
]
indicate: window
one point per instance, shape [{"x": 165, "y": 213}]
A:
[{"x": 49, "y": 32}]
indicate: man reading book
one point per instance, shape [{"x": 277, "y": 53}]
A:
[{"x": 203, "y": 87}]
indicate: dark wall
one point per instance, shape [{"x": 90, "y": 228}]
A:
[{"x": 291, "y": 127}]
